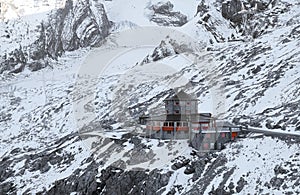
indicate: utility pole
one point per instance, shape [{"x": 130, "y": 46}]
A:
[
  {"x": 217, "y": 133},
  {"x": 188, "y": 120}
]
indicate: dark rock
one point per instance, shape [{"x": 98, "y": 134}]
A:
[
  {"x": 240, "y": 184},
  {"x": 231, "y": 185},
  {"x": 164, "y": 16},
  {"x": 256, "y": 70},
  {"x": 138, "y": 155},
  {"x": 119, "y": 182},
  {"x": 7, "y": 188},
  {"x": 297, "y": 183},
  {"x": 211, "y": 171},
  {"x": 279, "y": 170},
  {"x": 261, "y": 5},
  {"x": 221, "y": 188},
  {"x": 295, "y": 32},
  {"x": 202, "y": 8},
  {"x": 189, "y": 170},
  {"x": 135, "y": 140},
  {"x": 180, "y": 164},
  {"x": 15, "y": 151},
  {"x": 231, "y": 82},
  {"x": 5, "y": 116},
  {"x": 239, "y": 95},
  {"x": 172, "y": 192},
  {"x": 19, "y": 69},
  {"x": 120, "y": 164},
  {"x": 206, "y": 18},
  {"x": 11, "y": 60},
  {"x": 276, "y": 182},
  {"x": 160, "y": 144},
  {"x": 230, "y": 10},
  {"x": 83, "y": 183},
  {"x": 36, "y": 65},
  {"x": 5, "y": 170}
]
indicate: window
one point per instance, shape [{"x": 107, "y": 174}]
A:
[
  {"x": 204, "y": 126},
  {"x": 176, "y": 103},
  {"x": 205, "y": 146},
  {"x": 176, "y": 108},
  {"x": 177, "y": 112}
]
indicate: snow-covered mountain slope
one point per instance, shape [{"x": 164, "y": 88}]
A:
[
  {"x": 258, "y": 76},
  {"x": 142, "y": 13},
  {"x": 60, "y": 137}
]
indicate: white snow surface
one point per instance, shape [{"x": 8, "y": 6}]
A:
[{"x": 37, "y": 108}]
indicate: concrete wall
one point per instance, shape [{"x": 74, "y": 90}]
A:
[{"x": 181, "y": 107}]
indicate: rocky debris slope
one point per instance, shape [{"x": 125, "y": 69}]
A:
[
  {"x": 247, "y": 166},
  {"x": 116, "y": 181},
  {"x": 28, "y": 170},
  {"x": 287, "y": 171},
  {"x": 210, "y": 26}
]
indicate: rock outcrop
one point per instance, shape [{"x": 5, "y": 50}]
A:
[
  {"x": 119, "y": 182},
  {"x": 164, "y": 15},
  {"x": 246, "y": 15}
]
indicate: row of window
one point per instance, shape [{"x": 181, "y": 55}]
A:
[
  {"x": 180, "y": 108},
  {"x": 170, "y": 124},
  {"x": 208, "y": 136},
  {"x": 178, "y": 112},
  {"x": 178, "y": 103},
  {"x": 178, "y": 124},
  {"x": 178, "y": 132}
]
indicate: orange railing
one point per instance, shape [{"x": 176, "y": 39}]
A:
[
  {"x": 168, "y": 128},
  {"x": 153, "y": 128},
  {"x": 182, "y": 128}
]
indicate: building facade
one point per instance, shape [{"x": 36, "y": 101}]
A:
[{"x": 182, "y": 120}]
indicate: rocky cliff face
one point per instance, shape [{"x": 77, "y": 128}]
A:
[
  {"x": 77, "y": 25},
  {"x": 251, "y": 17}
]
